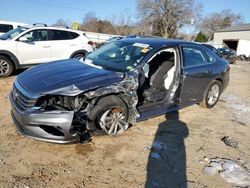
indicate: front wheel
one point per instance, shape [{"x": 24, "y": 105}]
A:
[
  {"x": 212, "y": 96},
  {"x": 6, "y": 66},
  {"x": 110, "y": 116}
]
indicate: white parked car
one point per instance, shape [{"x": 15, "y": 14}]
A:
[
  {"x": 6, "y": 26},
  {"x": 30, "y": 45}
]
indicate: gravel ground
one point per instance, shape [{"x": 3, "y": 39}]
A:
[{"x": 167, "y": 151}]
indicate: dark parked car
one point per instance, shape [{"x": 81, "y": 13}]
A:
[
  {"x": 117, "y": 85},
  {"x": 228, "y": 54},
  {"x": 112, "y": 39},
  {"x": 212, "y": 48}
]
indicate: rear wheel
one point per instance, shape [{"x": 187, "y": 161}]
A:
[
  {"x": 110, "y": 116},
  {"x": 213, "y": 94},
  {"x": 6, "y": 66}
]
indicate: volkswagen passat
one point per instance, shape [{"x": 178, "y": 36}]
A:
[{"x": 119, "y": 84}]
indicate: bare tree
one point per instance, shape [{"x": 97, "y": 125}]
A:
[
  {"x": 94, "y": 24},
  {"x": 221, "y": 20},
  {"x": 106, "y": 26},
  {"x": 122, "y": 22},
  {"x": 61, "y": 23},
  {"x": 166, "y": 17},
  {"x": 90, "y": 23},
  {"x": 89, "y": 17}
]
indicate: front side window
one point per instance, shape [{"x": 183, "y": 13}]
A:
[
  {"x": 193, "y": 57},
  {"x": 119, "y": 55},
  {"x": 37, "y": 35}
]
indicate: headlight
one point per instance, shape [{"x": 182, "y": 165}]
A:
[{"x": 58, "y": 102}]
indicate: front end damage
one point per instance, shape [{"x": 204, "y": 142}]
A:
[{"x": 62, "y": 118}]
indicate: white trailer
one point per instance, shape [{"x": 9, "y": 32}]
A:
[
  {"x": 99, "y": 37},
  {"x": 243, "y": 47}
]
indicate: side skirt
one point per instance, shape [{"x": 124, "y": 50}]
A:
[{"x": 147, "y": 112}]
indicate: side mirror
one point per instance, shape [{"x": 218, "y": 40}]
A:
[
  {"x": 23, "y": 39},
  {"x": 219, "y": 54}
]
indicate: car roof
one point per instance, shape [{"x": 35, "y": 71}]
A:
[
  {"x": 48, "y": 27},
  {"x": 157, "y": 41}
]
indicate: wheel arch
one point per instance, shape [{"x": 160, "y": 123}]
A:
[
  {"x": 119, "y": 96},
  {"x": 78, "y": 52},
  {"x": 220, "y": 80},
  {"x": 215, "y": 79},
  {"x": 12, "y": 57}
]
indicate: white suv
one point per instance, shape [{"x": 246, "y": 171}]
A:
[
  {"x": 26, "y": 46},
  {"x": 6, "y": 26}
]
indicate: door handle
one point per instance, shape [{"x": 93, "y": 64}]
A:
[{"x": 46, "y": 46}]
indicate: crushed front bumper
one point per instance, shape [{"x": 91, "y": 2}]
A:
[{"x": 49, "y": 126}]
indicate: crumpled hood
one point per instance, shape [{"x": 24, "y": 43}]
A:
[{"x": 67, "y": 77}]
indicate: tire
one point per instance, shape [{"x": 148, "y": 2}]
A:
[
  {"x": 110, "y": 116},
  {"x": 78, "y": 56},
  {"x": 212, "y": 95},
  {"x": 6, "y": 66}
]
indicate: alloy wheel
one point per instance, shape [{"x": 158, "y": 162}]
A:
[
  {"x": 4, "y": 67},
  {"x": 213, "y": 94},
  {"x": 113, "y": 121}
]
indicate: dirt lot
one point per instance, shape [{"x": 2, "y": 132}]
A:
[{"x": 160, "y": 152}]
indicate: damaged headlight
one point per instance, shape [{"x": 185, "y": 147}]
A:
[{"x": 58, "y": 102}]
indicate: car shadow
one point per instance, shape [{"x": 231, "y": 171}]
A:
[
  {"x": 167, "y": 160},
  {"x": 18, "y": 71}
]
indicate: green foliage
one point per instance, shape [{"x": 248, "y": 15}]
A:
[{"x": 201, "y": 37}]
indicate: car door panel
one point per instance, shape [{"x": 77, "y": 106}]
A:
[
  {"x": 33, "y": 52},
  {"x": 195, "y": 80},
  {"x": 62, "y": 49},
  {"x": 62, "y": 44},
  {"x": 36, "y": 49}
]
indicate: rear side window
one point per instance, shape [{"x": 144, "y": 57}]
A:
[
  {"x": 63, "y": 35},
  {"x": 5, "y": 28},
  {"x": 193, "y": 57}
]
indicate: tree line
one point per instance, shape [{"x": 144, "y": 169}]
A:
[{"x": 165, "y": 18}]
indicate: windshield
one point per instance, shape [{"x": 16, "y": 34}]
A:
[
  {"x": 12, "y": 33},
  {"x": 119, "y": 55}
]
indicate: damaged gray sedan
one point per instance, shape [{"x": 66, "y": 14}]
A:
[{"x": 119, "y": 84}]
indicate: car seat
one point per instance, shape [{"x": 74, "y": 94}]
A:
[
  {"x": 157, "y": 90},
  {"x": 37, "y": 36}
]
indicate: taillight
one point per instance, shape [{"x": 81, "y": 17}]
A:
[{"x": 91, "y": 43}]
